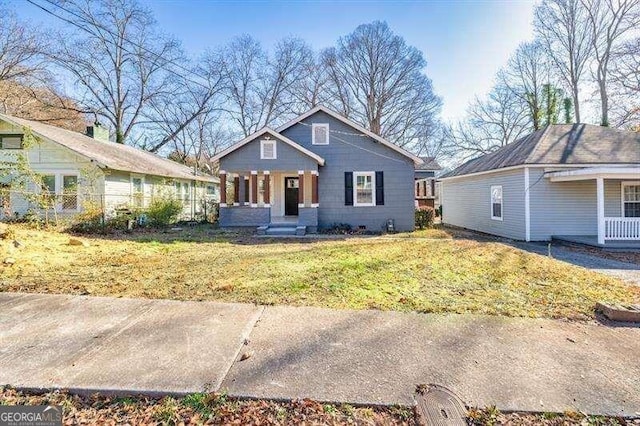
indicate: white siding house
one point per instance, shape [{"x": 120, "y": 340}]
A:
[
  {"x": 77, "y": 168},
  {"x": 573, "y": 182}
]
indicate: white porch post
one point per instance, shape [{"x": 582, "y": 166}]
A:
[{"x": 600, "y": 208}]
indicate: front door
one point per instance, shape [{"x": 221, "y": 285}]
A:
[{"x": 291, "y": 196}]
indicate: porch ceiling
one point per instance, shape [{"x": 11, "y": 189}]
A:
[{"x": 589, "y": 173}]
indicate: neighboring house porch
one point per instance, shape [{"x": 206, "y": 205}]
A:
[{"x": 617, "y": 205}]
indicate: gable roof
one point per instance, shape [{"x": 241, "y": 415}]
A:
[
  {"x": 110, "y": 155},
  {"x": 276, "y": 135},
  {"x": 350, "y": 123},
  {"x": 559, "y": 144},
  {"x": 428, "y": 164}
]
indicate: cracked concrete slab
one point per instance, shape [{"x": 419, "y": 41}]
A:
[
  {"x": 379, "y": 357},
  {"x": 119, "y": 344}
]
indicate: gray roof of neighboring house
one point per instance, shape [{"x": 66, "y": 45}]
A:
[
  {"x": 560, "y": 144},
  {"x": 428, "y": 163},
  {"x": 110, "y": 154}
]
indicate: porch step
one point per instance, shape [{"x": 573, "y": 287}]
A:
[{"x": 282, "y": 230}]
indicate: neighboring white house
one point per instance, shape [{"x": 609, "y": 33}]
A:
[
  {"x": 77, "y": 167},
  {"x": 574, "y": 182}
]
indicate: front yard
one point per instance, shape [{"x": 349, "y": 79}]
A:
[{"x": 426, "y": 271}]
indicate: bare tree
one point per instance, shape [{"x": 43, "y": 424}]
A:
[
  {"x": 260, "y": 87},
  {"x": 493, "y": 122},
  {"x": 562, "y": 26},
  {"x": 118, "y": 61},
  {"x": 21, "y": 47},
  {"x": 313, "y": 89},
  {"x": 625, "y": 79},
  {"x": 378, "y": 81},
  {"x": 525, "y": 75},
  {"x": 609, "y": 21}
]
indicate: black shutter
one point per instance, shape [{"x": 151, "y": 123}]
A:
[
  {"x": 379, "y": 189},
  {"x": 348, "y": 188}
]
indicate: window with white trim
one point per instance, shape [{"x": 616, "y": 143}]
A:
[
  {"x": 496, "y": 202},
  {"x": 364, "y": 193},
  {"x": 69, "y": 192},
  {"x": 137, "y": 191},
  {"x": 631, "y": 199},
  {"x": 268, "y": 149},
  {"x": 186, "y": 192},
  {"x": 320, "y": 134}
]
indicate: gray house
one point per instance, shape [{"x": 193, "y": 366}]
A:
[
  {"x": 315, "y": 171},
  {"x": 574, "y": 182}
]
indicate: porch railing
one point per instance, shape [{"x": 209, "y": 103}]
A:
[{"x": 622, "y": 228}]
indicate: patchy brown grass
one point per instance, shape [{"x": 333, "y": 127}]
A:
[
  {"x": 426, "y": 271},
  {"x": 205, "y": 409}
]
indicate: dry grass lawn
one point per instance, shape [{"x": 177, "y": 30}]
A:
[{"x": 426, "y": 271}]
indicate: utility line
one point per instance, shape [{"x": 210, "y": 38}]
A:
[{"x": 102, "y": 27}]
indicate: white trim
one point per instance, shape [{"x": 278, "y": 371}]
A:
[
  {"x": 314, "y": 172},
  {"x": 623, "y": 184},
  {"x": 540, "y": 165},
  {"x": 300, "y": 172},
  {"x": 300, "y": 205},
  {"x": 266, "y": 172},
  {"x": 272, "y": 142},
  {"x": 223, "y": 204},
  {"x": 588, "y": 173},
  {"x": 527, "y": 206},
  {"x": 600, "y": 208},
  {"x": 236, "y": 204},
  {"x": 501, "y": 217},
  {"x": 133, "y": 176},
  {"x": 415, "y": 158},
  {"x": 267, "y": 130},
  {"x": 222, "y": 172},
  {"x": 315, "y": 205},
  {"x": 355, "y": 189},
  {"x": 254, "y": 205},
  {"x": 254, "y": 172},
  {"x": 266, "y": 205},
  {"x": 313, "y": 133}
]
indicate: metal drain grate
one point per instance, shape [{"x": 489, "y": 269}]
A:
[{"x": 438, "y": 406}]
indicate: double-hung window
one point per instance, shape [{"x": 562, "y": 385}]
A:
[
  {"x": 631, "y": 199},
  {"x": 69, "y": 192},
  {"x": 496, "y": 202},
  {"x": 268, "y": 149},
  {"x": 364, "y": 189},
  {"x": 320, "y": 134}
]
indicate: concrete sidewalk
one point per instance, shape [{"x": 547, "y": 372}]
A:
[{"x": 359, "y": 357}]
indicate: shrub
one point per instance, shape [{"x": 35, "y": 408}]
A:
[
  {"x": 425, "y": 217},
  {"x": 90, "y": 220},
  {"x": 163, "y": 211}
]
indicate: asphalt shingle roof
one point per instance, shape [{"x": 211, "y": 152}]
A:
[
  {"x": 428, "y": 163},
  {"x": 110, "y": 154},
  {"x": 561, "y": 144}
]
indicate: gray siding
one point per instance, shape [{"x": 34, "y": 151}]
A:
[
  {"x": 247, "y": 158},
  {"x": 244, "y": 216},
  {"x": 466, "y": 202},
  {"x": 568, "y": 208},
  {"x": 348, "y": 152}
]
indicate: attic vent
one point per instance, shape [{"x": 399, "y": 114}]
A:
[{"x": 320, "y": 134}]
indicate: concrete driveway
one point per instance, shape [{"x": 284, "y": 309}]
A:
[{"x": 160, "y": 346}]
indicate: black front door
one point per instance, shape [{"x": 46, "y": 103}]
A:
[{"x": 291, "y": 196}]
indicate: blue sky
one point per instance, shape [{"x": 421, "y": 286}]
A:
[{"x": 464, "y": 41}]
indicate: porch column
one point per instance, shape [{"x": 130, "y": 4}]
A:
[
  {"x": 223, "y": 188},
  {"x": 314, "y": 189},
  {"x": 254, "y": 188},
  {"x": 267, "y": 178},
  {"x": 236, "y": 190},
  {"x": 300, "y": 188},
  {"x": 600, "y": 207},
  {"x": 245, "y": 182}
]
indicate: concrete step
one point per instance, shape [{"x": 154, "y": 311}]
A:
[
  {"x": 283, "y": 224},
  {"x": 291, "y": 230}
]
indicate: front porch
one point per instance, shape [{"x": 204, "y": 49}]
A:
[
  {"x": 617, "y": 219},
  {"x": 276, "y": 202}
]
